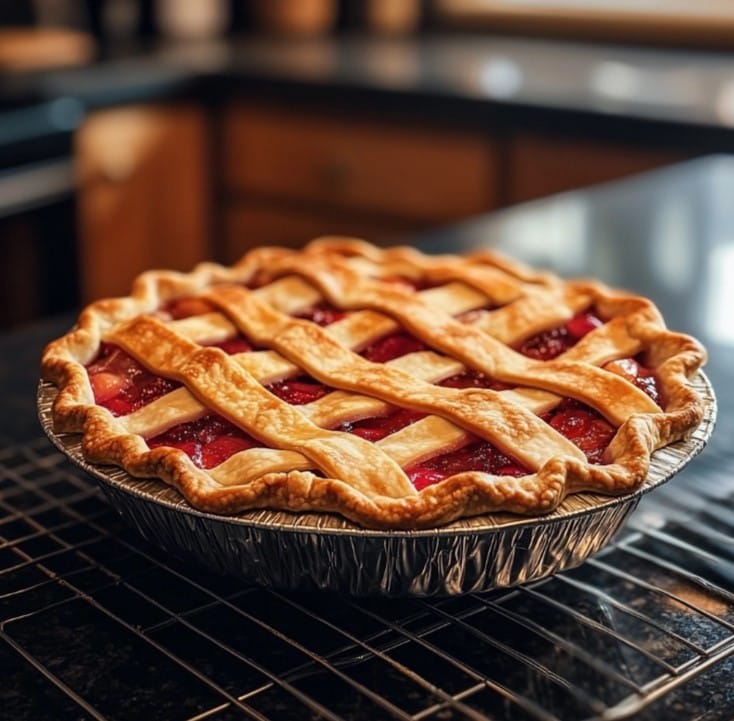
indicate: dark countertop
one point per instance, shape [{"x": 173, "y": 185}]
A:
[
  {"x": 667, "y": 234},
  {"x": 680, "y": 97}
]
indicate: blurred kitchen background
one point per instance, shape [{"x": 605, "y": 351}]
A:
[{"x": 149, "y": 133}]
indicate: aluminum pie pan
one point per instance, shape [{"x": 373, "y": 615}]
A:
[{"x": 325, "y": 552}]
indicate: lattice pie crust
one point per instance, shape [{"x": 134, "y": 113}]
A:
[{"x": 472, "y": 313}]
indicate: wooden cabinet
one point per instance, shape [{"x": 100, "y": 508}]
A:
[
  {"x": 292, "y": 174},
  {"x": 144, "y": 194},
  {"x": 540, "y": 165},
  {"x": 285, "y": 175}
]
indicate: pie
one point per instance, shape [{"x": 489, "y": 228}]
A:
[{"x": 398, "y": 389}]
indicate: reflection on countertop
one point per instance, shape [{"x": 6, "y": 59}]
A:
[{"x": 654, "y": 84}]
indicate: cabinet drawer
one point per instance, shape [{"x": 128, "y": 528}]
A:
[
  {"x": 387, "y": 168},
  {"x": 541, "y": 165},
  {"x": 247, "y": 225}
]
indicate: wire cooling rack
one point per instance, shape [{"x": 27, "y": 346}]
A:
[{"x": 97, "y": 624}]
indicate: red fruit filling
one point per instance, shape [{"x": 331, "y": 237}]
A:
[
  {"x": 121, "y": 384},
  {"x": 392, "y": 346},
  {"x": 583, "y": 426},
  {"x": 635, "y": 372},
  {"x": 208, "y": 441},
  {"x": 474, "y": 379},
  {"x": 478, "y": 455},
  {"x": 322, "y": 314},
  {"x": 234, "y": 345},
  {"x": 581, "y": 324},
  {"x": 298, "y": 391},
  {"x": 551, "y": 343},
  {"x": 373, "y": 429}
]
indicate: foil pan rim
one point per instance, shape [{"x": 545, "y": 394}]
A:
[
  {"x": 665, "y": 463},
  {"x": 326, "y": 553}
]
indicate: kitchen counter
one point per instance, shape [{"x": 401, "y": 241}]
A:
[
  {"x": 658, "y": 94},
  {"x": 498, "y": 120},
  {"x": 96, "y": 623}
]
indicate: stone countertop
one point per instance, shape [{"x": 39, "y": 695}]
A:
[
  {"x": 668, "y": 234},
  {"x": 659, "y": 94}
]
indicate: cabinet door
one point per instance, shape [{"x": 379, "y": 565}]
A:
[
  {"x": 143, "y": 195},
  {"x": 387, "y": 168},
  {"x": 541, "y": 165}
]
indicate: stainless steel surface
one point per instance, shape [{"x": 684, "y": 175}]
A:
[{"x": 326, "y": 552}]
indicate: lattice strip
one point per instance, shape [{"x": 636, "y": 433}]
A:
[
  {"x": 606, "y": 343},
  {"x": 483, "y": 412},
  {"x": 236, "y": 395},
  {"x": 480, "y": 303},
  {"x": 612, "y": 396},
  {"x": 406, "y": 447}
]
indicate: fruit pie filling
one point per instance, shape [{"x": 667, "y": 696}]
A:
[{"x": 122, "y": 385}]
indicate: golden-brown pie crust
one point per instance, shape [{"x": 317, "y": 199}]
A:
[{"x": 304, "y": 465}]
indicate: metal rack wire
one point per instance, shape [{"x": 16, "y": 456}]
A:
[{"x": 97, "y": 624}]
